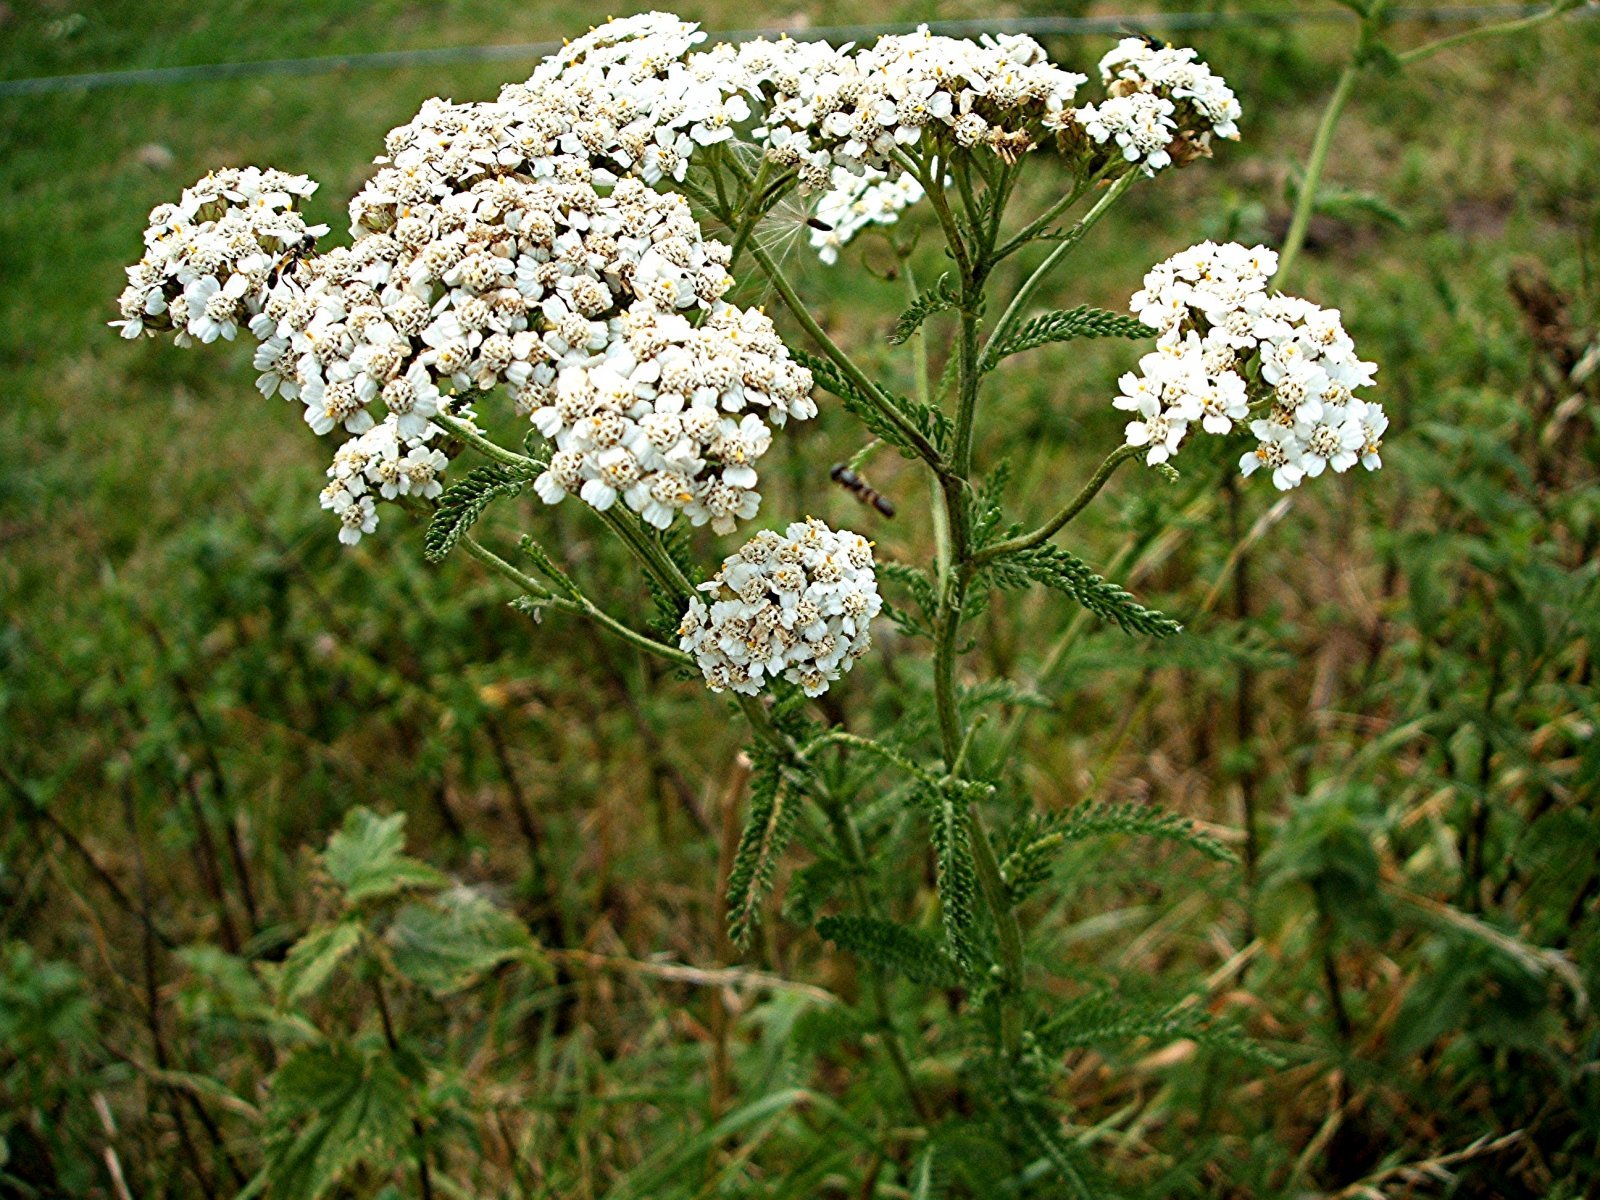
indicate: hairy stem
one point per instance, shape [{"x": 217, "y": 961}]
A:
[
  {"x": 1007, "y": 930},
  {"x": 1306, "y": 201}
]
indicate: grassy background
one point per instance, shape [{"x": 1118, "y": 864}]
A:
[{"x": 190, "y": 660}]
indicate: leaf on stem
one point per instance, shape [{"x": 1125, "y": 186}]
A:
[
  {"x": 1066, "y": 572},
  {"x": 447, "y": 944},
  {"x": 332, "y": 1107},
  {"x": 767, "y": 831},
  {"x": 895, "y": 947},
  {"x": 1064, "y": 325},
  {"x": 927, "y": 419},
  {"x": 464, "y": 502},
  {"x": 1029, "y": 865},
  {"x": 955, "y": 875},
  {"x": 365, "y": 858},
  {"x": 311, "y": 961},
  {"x": 939, "y": 298}
]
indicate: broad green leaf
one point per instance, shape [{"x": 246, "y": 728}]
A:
[
  {"x": 331, "y": 1108},
  {"x": 446, "y": 943},
  {"x": 365, "y": 858},
  {"x": 312, "y": 959}
]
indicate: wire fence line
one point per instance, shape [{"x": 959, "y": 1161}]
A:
[{"x": 1452, "y": 14}]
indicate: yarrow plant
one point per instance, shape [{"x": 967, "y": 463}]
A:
[{"x": 549, "y": 251}]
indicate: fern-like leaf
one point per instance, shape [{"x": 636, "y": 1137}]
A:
[
  {"x": 939, "y": 298},
  {"x": 767, "y": 831},
  {"x": 1063, "y": 325},
  {"x": 895, "y": 947},
  {"x": 1066, "y": 572},
  {"x": 954, "y": 873},
  {"x": 1029, "y": 865},
  {"x": 464, "y": 502}
]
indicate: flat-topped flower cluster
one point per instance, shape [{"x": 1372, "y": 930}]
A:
[
  {"x": 523, "y": 244},
  {"x": 656, "y": 418},
  {"x": 795, "y": 605},
  {"x": 1230, "y": 350}
]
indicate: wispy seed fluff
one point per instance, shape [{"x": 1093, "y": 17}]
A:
[{"x": 796, "y": 604}]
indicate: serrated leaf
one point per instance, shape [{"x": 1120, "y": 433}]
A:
[
  {"x": 895, "y": 947},
  {"x": 1064, "y": 325},
  {"x": 365, "y": 858},
  {"x": 767, "y": 830},
  {"x": 940, "y": 297},
  {"x": 331, "y": 1108},
  {"x": 447, "y": 943},
  {"x": 464, "y": 501},
  {"x": 1029, "y": 865},
  {"x": 1064, "y": 571},
  {"x": 955, "y": 876},
  {"x": 311, "y": 961}
]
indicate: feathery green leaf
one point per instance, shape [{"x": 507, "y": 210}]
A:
[
  {"x": 1063, "y": 325},
  {"x": 895, "y": 947},
  {"x": 464, "y": 501},
  {"x": 940, "y": 297},
  {"x": 1064, "y": 571}
]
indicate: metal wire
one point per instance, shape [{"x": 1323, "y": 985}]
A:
[{"x": 526, "y": 51}]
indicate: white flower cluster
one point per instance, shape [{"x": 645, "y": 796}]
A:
[
  {"x": 856, "y": 202},
  {"x": 210, "y": 258},
  {"x": 857, "y": 109},
  {"x": 655, "y": 418},
  {"x": 796, "y": 605},
  {"x": 1228, "y": 348},
  {"x": 1159, "y": 96},
  {"x": 384, "y": 461},
  {"x": 521, "y": 243}
]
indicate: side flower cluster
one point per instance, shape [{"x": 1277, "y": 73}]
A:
[
  {"x": 856, "y": 202},
  {"x": 796, "y": 605},
  {"x": 210, "y": 258},
  {"x": 1230, "y": 352},
  {"x": 1162, "y": 101}
]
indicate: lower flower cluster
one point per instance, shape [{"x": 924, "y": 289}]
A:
[
  {"x": 1230, "y": 352},
  {"x": 796, "y": 605}
]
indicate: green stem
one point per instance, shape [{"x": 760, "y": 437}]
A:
[
  {"x": 840, "y": 359},
  {"x": 1008, "y": 931},
  {"x": 1042, "y": 222},
  {"x": 1488, "y": 31},
  {"x": 1306, "y": 201},
  {"x": 754, "y": 207},
  {"x": 462, "y": 431},
  {"x": 1050, "y": 528},
  {"x": 1071, "y": 239},
  {"x": 583, "y": 607}
]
